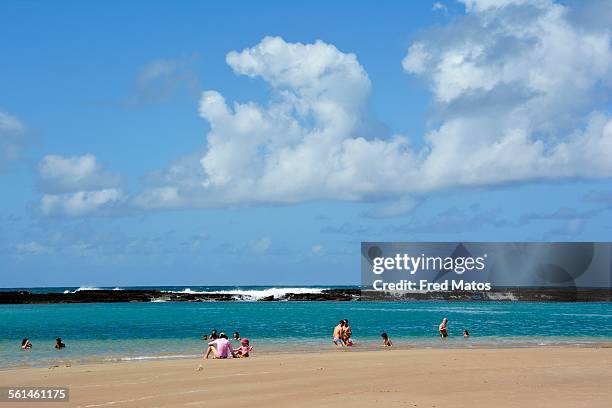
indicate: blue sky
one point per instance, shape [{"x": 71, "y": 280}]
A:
[{"x": 240, "y": 143}]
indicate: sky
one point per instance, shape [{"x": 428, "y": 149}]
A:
[{"x": 242, "y": 143}]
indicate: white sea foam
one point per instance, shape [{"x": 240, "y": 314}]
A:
[
  {"x": 255, "y": 294},
  {"x": 501, "y": 296},
  {"x": 82, "y": 288}
]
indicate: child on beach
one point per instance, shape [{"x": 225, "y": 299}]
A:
[
  {"x": 221, "y": 347},
  {"x": 466, "y": 333},
  {"x": 244, "y": 350},
  {"x": 443, "y": 328},
  {"x": 25, "y": 344},
  {"x": 386, "y": 341}
]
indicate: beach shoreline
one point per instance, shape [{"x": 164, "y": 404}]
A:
[
  {"x": 547, "y": 376},
  {"x": 96, "y": 332},
  {"x": 266, "y": 348}
]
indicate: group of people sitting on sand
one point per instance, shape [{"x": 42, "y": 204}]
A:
[
  {"x": 220, "y": 346},
  {"x": 26, "y": 344}
]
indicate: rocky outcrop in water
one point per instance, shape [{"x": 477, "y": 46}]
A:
[
  {"x": 112, "y": 296},
  {"x": 144, "y": 295}
]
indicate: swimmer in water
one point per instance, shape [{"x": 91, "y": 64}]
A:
[
  {"x": 386, "y": 341},
  {"x": 58, "y": 343}
]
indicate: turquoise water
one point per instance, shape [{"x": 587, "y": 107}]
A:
[{"x": 127, "y": 331}]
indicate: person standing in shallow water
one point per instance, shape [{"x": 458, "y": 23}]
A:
[
  {"x": 443, "y": 329},
  {"x": 347, "y": 333},
  {"x": 337, "y": 336}
]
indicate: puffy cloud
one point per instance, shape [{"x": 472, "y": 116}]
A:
[
  {"x": 312, "y": 76},
  {"x": 303, "y": 145},
  {"x": 517, "y": 96},
  {"x": 63, "y": 174},
  {"x": 76, "y": 186},
  {"x": 12, "y": 132},
  {"x": 515, "y": 85},
  {"x": 80, "y": 202}
]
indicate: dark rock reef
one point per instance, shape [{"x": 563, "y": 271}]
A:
[
  {"x": 112, "y": 296},
  {"x": 152, "y": 295}
]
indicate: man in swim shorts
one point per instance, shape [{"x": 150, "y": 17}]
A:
[{"x": 338, "y": 332}]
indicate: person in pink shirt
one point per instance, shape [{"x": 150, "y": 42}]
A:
[
  {"x": 221, "y": 347},
  {"x": 244, "y": 350}
]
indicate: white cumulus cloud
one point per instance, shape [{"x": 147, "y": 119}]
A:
[
  {"x": 515, "y": 84},
  {"x": 517, "y": 91},
  {"x": 304, "y": 145},
  {"x": 76, "y": 186},
  {"x": 63, "y": 174}
]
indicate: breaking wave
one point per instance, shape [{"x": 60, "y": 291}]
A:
[
  {"x": 255, "y": 294},
  {"x": 82, "y": 288}
]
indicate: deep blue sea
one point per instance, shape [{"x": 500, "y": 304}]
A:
[{"x": 135, "y": 331}]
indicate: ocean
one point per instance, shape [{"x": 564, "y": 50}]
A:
[{"x": 113, "y": 332}]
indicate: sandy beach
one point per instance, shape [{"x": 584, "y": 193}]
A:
[{"x": 542, "y": 377}]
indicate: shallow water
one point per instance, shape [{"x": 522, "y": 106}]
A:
[{"x": 129, "y": 331}]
